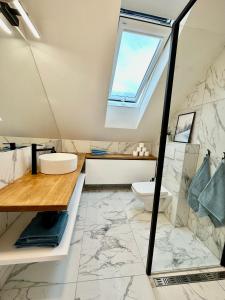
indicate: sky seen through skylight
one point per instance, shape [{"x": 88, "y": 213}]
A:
[{"x": 135, "y": 54}]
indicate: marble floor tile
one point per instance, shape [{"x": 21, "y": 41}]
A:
[
  {"x": 105, "y": 208},
  {"x": 222, "y": 284},
  {"x": 180, "y": 249},
  {"x": 141, "y": 231},
  {"x": 126, "y": 288},
  {"x": 52, "y": 292},
  {"x": 108, "y": 255},
  {"x": 109, "y": 251},
  {"x": 136, "y": 212},
  {"x": 175, "y": 248},
  {"x": 100, "y": 194},
  {"x": 194, "y": 291},
  {"x": 46, "y": 273}
]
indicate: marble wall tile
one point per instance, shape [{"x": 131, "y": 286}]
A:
[
  {"x": 215, "y": 80},
  {"x": 195, "y": 98},
  {"x": 211, "y": 133},
  {"x": 27, "y": 141},
  {"x": 189, "y": 169},
  {"x": 179, "y": 167},
  {"x": 208, "y": 100},
  {"x": 74, "y": 146},
  {"x": 128, "y": 148},
  {"x": 203, "y": 228},
  {"x": 13, "y": 165},
  {"x": 111, "y": 147}
]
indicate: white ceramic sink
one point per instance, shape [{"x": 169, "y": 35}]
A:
[{"x": 57, "y": 163}]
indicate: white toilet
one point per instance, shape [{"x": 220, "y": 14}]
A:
[{"x": 145, "y": 193}]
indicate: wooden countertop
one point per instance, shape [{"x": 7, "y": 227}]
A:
[
  {"x": 40, "y": 192},
  {"x": 49, "y": 192},
  {"x": 120, "y": 156}
]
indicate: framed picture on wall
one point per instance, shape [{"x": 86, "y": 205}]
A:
[{"x": 184, "y": 127}]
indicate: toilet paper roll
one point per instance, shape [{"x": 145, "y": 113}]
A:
[
  {"x": 141, "y": 145},
  {"x": 135, "y": 153},
  {"x": 147, "y": 153},
  {"x": 141, "y": 153}
]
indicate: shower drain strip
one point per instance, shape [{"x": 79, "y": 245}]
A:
[{"x": 189, "y": 278}]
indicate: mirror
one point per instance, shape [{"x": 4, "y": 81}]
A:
[{"x": 24, "y": 107}]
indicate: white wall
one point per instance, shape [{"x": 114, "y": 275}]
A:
[
  {"x": 24, "y": 107},
  {"x": 158, "y": 8},
  {"x": 74, "y": 58}
]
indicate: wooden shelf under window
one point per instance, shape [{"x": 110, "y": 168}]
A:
[{"x": 120, "y": 157}]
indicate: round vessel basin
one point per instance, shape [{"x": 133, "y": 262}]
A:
[{"x": 57, "y": 163}]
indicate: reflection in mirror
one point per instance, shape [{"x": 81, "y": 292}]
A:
[{"x": 24, "y": 107}]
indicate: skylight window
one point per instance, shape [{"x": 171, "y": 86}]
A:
[
  {"x": 139, "y": 46},
  {"x": 135, "y": 55}
]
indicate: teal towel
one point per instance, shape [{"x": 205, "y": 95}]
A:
[
  {"x": 212, "y": 199},
  {"x": 198, "y": 184},
  {"x": 99, "y": 152},
  {"x": 35, "y": 234}
]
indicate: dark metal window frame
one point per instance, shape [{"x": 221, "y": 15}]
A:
[
  {"x": 164, "y": 129},
  {"x": 136, "y": 15}
]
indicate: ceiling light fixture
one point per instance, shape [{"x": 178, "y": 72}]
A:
[
  {"x": 26, "y": 19},
  {"x": 6, "y": 29}
]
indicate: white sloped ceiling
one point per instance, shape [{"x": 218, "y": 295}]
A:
[{"x": 75, "y": 54}]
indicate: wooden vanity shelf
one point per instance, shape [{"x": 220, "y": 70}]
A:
[
  {"x": 10, "y": 255},
  {"x": 40, "y": 192},
  {"x": 120, "y": 157}
]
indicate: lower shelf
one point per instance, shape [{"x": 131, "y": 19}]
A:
[{"x": 10, "y": 255}]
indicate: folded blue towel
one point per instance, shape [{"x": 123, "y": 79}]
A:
[
  {"x": 198, "y": 184},
  {"x": 98, "y": 151},
  {"x": 212, "y": 198},
  {"x": 36, "y": 234}
]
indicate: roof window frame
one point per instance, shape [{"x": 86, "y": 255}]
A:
[{"x": 145, "y": 28}]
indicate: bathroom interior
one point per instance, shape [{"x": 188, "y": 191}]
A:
[{"x": 84, "y": 94}]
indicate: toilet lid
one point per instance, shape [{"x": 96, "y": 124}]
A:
[{"x": 148, "y": 188}]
